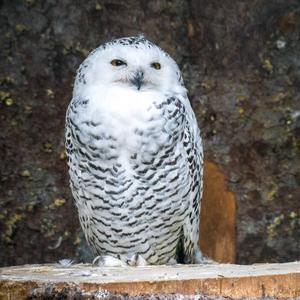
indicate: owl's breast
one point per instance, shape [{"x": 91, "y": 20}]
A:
[
  {"x": 130, "y": 118},
  {"x": 112, "y": 136},
  {"x": 121, "y": 122}
]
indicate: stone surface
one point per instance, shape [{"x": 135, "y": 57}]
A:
[{"x": 240, "y": 61}]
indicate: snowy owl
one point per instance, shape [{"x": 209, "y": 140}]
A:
[{"x": 135, "y": 156}]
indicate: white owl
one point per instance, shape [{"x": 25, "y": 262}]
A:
[{"x": 135, "y": 156}]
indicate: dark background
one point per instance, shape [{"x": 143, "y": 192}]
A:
[{"x": 241, "y": 64}]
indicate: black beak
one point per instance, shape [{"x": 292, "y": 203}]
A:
[{"x": 138, "y": 79}]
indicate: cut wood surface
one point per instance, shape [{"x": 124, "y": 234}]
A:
[{"x": 261, "y": 280}]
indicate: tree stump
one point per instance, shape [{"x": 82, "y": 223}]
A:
[{"x": 165, "y": 282}]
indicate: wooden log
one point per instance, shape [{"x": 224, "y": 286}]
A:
[
  {"x": 218, "y": 216},
  {"x": 219, "y": 280}
]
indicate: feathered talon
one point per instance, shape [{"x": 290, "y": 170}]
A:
[{"x": 108, "y": 261}]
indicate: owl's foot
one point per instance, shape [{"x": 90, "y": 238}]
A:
[
  {"x": 133, "y": 260},
  {"x": 108, "y": 261},
  {"x": 199, "y": 258},
  {"x": 66, "y": 262}
]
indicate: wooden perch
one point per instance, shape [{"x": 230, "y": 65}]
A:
[{"x": 261, "y": 280}]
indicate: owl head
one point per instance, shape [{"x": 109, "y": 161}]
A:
[{"x": 133, "y": 63}]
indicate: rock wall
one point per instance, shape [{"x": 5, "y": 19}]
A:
[{"x": 241, "y": 64}]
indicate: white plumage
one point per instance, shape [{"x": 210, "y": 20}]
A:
[{"x": 135, "y": 156}]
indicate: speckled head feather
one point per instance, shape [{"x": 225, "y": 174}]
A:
[
  {"x": 135, "y": 156},
  {"x": 138, "y": 53},
  {"x": 134, "y": 41}
]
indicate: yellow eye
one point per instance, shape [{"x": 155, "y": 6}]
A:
[
  {"x": 156, "y": 66},
  {"x": 118, "y": 62}
]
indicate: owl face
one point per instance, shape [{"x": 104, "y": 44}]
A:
[{"x": 138, "y": 66}]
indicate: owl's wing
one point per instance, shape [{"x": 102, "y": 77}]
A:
[
  {"x": 77, "y": 159},
  {"x": 193, "y": 150},
  {"x": 182, "y": 125},
  {"x": 74, "y": 145},
  {"x": 71, "y": 129}
]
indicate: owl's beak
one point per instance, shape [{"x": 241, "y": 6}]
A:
[{"x": 138, "y": 79}]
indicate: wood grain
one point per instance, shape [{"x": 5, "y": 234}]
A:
[
  {"x": 217, "y": 237},
  {"x": 262, "y": 280}
]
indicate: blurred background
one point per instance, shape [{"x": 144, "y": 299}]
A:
[{"x": 241, "y": 63}]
